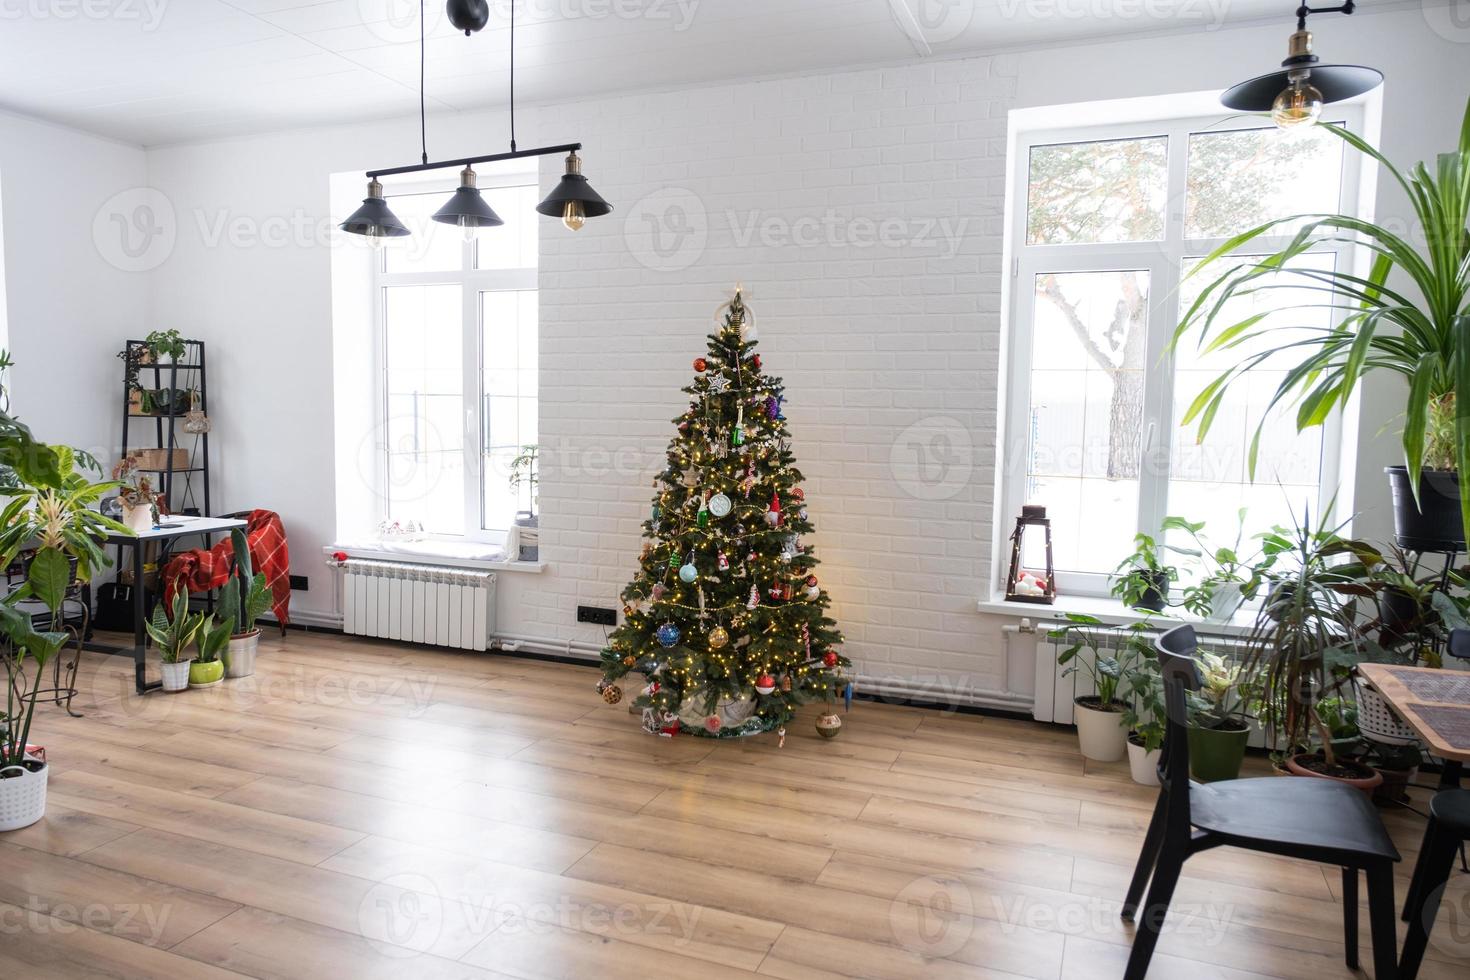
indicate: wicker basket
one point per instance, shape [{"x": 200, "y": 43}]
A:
[
  {"x": 158, "y": 459},
  {"x": 1377, "y": 721},
  {"x": 22, "y": 798}
]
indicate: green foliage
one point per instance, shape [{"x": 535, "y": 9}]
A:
[
  {"x": 213, "y": 638},
  {"x": 523, "y": 471},
  {"x": 1409, "y": 315},
  {"x": 244, "y": 595},
  {"x": 1143, "y": 570},
  {"x": 166, "y": 343},
  {"x": 1221, "y": 566},
  {"x": 1117, "y": 654},
  {"x": 173, "y": 633},
  {"x": 58, "y": 515}
]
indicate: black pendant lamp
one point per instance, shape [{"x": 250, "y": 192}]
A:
[
  {"x": 1295, "y": 95},
  {"x": 374, "y": 220},
  {"x": 466, "y": 208},
  {"x": 573, "y": 200}
]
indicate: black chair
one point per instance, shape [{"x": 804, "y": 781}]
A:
[
  {"x": 1297, "y": 817},
  {"x": 1449, "y": 827}
]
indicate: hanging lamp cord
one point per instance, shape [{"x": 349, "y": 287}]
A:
[
  {"x": 423, "y": 125},
  {"x": 512, "y": 76}
]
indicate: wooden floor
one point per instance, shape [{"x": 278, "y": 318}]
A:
[{"x": 366, "y": 810}]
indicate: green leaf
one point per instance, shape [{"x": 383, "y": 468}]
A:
[{"x": 49, "y": 576}]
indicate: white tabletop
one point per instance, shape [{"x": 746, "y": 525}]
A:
[{"x": 178, "y": 525}]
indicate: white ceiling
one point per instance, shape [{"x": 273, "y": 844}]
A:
[{"x": 165, "y": 71}]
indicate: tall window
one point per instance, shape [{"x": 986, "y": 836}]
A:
[
  {"x": 1108, "y": 223},
  {"x": 457, "y": 329}
]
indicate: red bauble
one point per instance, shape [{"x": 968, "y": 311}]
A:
[
  {"x": 765, "y": 684},
  {"x": 700, "y": 364},
  {"x": 755, "y": 362},
  {"x": 830, "y": 658},
  {"x": 797, "y": 493},
  {"x": 811, "y": 580}
]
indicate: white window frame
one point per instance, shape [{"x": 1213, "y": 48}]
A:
[
  {"x": 472, "y": 283},
  {"x": 1162, "y": 260}
]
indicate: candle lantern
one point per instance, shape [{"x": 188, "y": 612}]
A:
[{"x": 1023, "y": 582}]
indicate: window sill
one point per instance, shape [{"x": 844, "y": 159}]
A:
[
  {"x": 1115, "y": 613},
  {"x": 446, "y": 553}
]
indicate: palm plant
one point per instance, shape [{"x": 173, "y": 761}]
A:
[
  {"x": 1407, "y": 315},
  {"x": 53, "y": 510}
]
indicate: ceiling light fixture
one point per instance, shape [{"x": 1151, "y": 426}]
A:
[
  {"x": 573, "y": 199},
  {"x": 1295, "y": 95}
]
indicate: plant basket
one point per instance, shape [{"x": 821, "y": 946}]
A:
[
  {"x": 23, "y": 794},
  {"x": 158, "y": 459},
  {"x": 1433, "y": 524},
  {"x": 1377, "y": 721}
]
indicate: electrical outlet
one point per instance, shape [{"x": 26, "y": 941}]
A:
[
  {"x": 597, "y": 615},
  {"x": 298, "y": 583}
]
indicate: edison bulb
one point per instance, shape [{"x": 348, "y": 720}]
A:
[
  {"x": 1299, "y": 105},
  {"x": 573, "y": 215},
  {"x": 469, "y": 231}
]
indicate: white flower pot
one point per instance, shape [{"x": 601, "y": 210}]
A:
[
  {"x": 22, "y": 797},
  {"x": 138, "y": 519},
  {"x": 176, "y": 675},
  {"x": 1225, "y": 602},
  {"x": 240, "y": 658},
  {"x": 1144, "y": 765},
  {"x": 1100, "y": 734}
]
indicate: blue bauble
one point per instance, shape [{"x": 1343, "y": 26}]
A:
[
  {"x": 688, "y": 573},
  {"x": 667, "y": 635}
]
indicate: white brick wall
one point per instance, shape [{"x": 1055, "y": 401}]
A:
[{"x": 871, "y": 340}]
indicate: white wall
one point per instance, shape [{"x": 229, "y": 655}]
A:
[
  {"x": 880, "y": 346},
  {"x": 68, "y": 307}
]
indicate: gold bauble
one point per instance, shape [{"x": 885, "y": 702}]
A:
[
  {"x": 718, "y": 637},
  {"x": 612, "y": 694}
]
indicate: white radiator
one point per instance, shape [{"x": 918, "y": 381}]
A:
[{"x": 447, "y": 607}]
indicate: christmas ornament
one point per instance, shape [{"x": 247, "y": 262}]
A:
[
  {"x": 829, "y": 725},
  {"x": 773, "y": 513},
  {"x": 785, "y": 683},
  {"x": 737, "y": 436},
  {"x": 612, "y": 694},
  {"x": 754, "y": 600},
  {"x": 811, "y": 581},
  {"x": 702, "y": 518},
  {"x": 801, "y": 514},
  {"x": 755, "y": 361},
  {"x": 847, "y": 697},
  {"x": 719, "y": 384},
  {"x": 798, "y": 494},
  {"x": 629, "y": 661},
  {"x": 813, "y": 592},
  {"x": 699, "y": 364},
  {"x": 772, "y": 407},
  {"x": 718, "y": 637},
  {"x": 765, "y": 684},
  {"x": 658, "y": 591},
  {"x": 719, "y": 505},
  {"x": 830, "y": 658},
  {"x": 722, "y": 562},
  {"x": 667, "y": 635},
  {"x": 688, "y": 573},
  {"x": 712, "y": 724}
]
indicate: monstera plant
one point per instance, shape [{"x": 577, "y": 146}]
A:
[{"x": 1408, "y": 314}]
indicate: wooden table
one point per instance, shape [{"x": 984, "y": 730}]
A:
[
  {"x": 171, "y": 528},
  {"x": 1435, "y": 703}
]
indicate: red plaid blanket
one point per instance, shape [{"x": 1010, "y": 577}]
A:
[{"x": 199, "y": 570}]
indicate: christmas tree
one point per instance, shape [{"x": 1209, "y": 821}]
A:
[{"x": 726, "y": 619}]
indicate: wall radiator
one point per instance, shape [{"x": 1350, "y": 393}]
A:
[{"x": 447, "y": 607}]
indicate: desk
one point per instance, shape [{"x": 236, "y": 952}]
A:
[
  {"x": 1435, "y": 703},
  {"x": 171, "y": 528}
]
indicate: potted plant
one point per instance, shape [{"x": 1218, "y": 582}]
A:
[
  {"x": 211, "y": 639},
  {"x": 136, "y": 494},
  {"x": 244, "y": 598},
  {"x": 1397, "y": 764},
  {"x": 1341, "y": 718},
  {"x": 1145, "y": 720},
  {"x": 1144, "y": 582},
  {"x": 173, "y": 634},
  {"x": 1407, "y": 316},
  {"x": 1304, "y": 644},
  {"x": 1226, "y": 580},
  {"x": 1218, "y": 720},
  {"x": 166, "y": 346},
  {"x": 1102, "y": 731},
  {"x": 523, "y": 474}
]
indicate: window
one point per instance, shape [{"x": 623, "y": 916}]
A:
[
  {"x": 457, "y": 330},
  {"x": 1107, "y": 223}
]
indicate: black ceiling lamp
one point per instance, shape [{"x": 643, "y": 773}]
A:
[
  {"x": 573, "y": 199},
  {"x": 1295, "y": 95}
]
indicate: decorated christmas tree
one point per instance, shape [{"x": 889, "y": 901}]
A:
[{"x": 725, "y": 620}]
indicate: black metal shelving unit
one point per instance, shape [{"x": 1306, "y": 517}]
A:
[{"x": 179, "y": 494}]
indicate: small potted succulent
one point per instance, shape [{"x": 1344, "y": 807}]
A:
[
  {"x": 244, "y": 598},
  {"x": 136, "y": 494},
  {"x": 173, "y": 636},
  {"x": 1111, "y": 659},
  {"x": 1142, "y": 579}
]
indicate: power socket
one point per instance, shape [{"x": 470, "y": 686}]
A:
[
  {"x": 298, "y": 583},
  {"x": 597, "y": 615}
]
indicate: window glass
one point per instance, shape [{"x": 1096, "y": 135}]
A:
[
  {"x": 432, "y": 247},
  {"x": 1241, "y": 179},
  {"x": 1084, "y": 193},
  {"x": 508, "y": 330}
]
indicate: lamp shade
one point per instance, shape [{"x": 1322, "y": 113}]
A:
[
  {"x": 573, "y": 189},
  {"x": 1337, "y": 83},
  {"x": 466, "y": 208},
  {"x": 374, "y": 219}
]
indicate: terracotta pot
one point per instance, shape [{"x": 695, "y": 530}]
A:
[{"x": 1366, "y": 784}]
